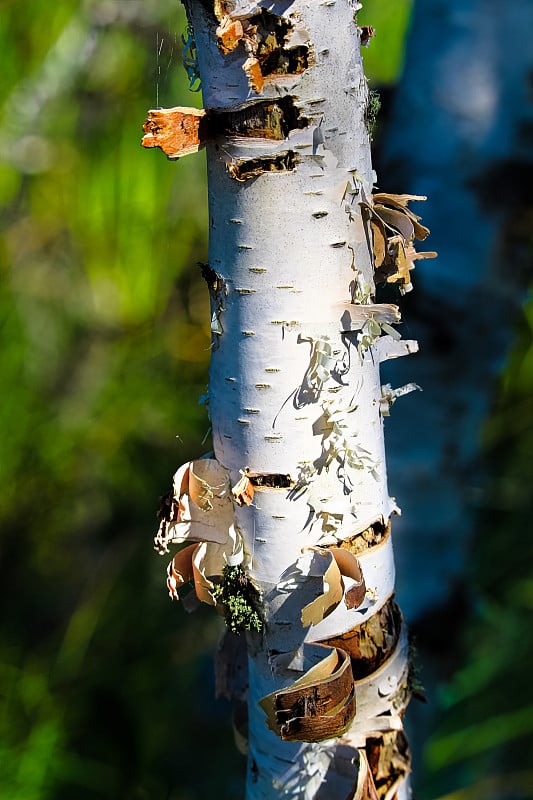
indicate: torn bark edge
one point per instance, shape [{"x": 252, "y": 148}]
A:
[
  {"x": 250, "y": 482},
  {"x": 243, "y": 491},
  {"x": 386, "y": 348},
  {"x": 394, "y": 226},
  {"x": 320, "y": 697},
  {"x": 355, "y": 315},
  {"x": 339, "y": 564},
  {"x": 320, "y": 705},
  {"x": 275, "y": 45},
  {"x": 180, "y": 133},
  {"x": 319, "y": 728},
  {"x": 371, "y": 643},
  {"x": 370, "y": 536},
  {"x": 184, "y": 568},
  {"x": 182, "y": 130},
  {"x": 350, "y": 567},
  {"x": 218, "y": 291},
  {"x": 242, "y": 169},
  {"x": 177, "y": 131},
  {"x": 389, "y": 760},
  {"x": 390, "y": 395},
  {"x": 366, "y": 33}
]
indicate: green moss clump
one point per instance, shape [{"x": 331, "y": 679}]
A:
[{"x": 239, "y": 599}]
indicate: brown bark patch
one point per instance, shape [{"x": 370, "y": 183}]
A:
[
  {"x": 366, "y": 33},
  {"x": 269, "y": 119},
  {"x": 389, "y": 759},
  {"x": 244, "y": 169},
  {"x": 373, "y": 535},
  {"x": 265, "y": 37},
  {"x": 181, "y": 131},
  {"x": 394, "y": 227},
  {"x": 273, "y": 55},
  {"x": 270, "y": 480},
  {"x": 320, "y": 705},
  {"x": 373, "y": 642},
  {"x": 243, "y": 491},
  {"x": 319, "y": 728},
  {"x": 317, "y": 699}
]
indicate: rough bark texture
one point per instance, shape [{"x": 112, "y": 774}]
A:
[{"x": 293, "y": 513}]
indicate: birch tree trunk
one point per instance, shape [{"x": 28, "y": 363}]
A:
[{"x": 291, "y": 514}]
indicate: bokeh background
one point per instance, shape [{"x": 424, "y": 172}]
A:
[{"x": 107, "y": 689}]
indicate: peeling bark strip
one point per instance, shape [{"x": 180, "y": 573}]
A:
[
  {"x": 288, "y": 526},
  {"x": 177, "y": 131},
  {"x": 181, "y": 131},
  {"x": 318, "y": 706}
]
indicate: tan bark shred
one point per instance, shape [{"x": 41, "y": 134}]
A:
[
  {"x": 369, "y": 791},
  {"x": 220, "y": 9},
  {"x": 396, "y": 219},
  {"x": 202, "y": 585},
  {"x": 243, "y": 491},
  {"x": 252, "y": 68},
  {"x": 349, "y": 567},
  {"x": 229, "y": 33},
  {"x": 177, "y": 131},
  {"x": 180, "y": 570},
  {"x": 332, "y": 594},
  {"x": 379, "y": 236},
  {"x": 394, "y": 226},
  {"x": 366, "y": 33},
  {"x": 389, "y": 759}
]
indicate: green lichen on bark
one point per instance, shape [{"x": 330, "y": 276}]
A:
[{"x": 239, "y": 599}]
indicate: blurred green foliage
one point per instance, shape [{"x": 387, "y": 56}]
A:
[
  {"x": 105, "y": 343},
  {"x": 383, "y": 58},
  {"x": 483, "y": 746}
]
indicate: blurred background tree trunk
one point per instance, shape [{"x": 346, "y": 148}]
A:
[{"x": 459, "y": 129}]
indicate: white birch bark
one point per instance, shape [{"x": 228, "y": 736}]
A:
[{"x": 295, "y": 393}]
